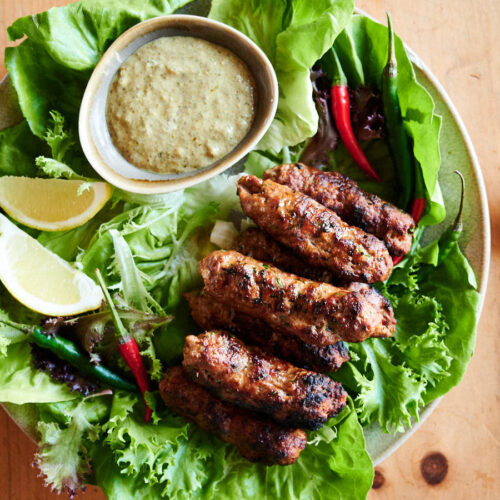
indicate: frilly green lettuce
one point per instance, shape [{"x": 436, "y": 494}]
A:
[
  {"x": 436, "y": 310},
  {"x": 187, "y": 462}
]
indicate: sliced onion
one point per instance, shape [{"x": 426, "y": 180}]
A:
[
  {"x": 246, "y": 223},
  {"x": 223, "y": 234}
]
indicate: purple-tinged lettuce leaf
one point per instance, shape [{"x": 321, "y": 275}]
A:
[
  {"x": 367, "y": 117},
  {"x": 61, "y": 371}
]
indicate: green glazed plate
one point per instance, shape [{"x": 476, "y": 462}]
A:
[{"x": 457, "y": 152}]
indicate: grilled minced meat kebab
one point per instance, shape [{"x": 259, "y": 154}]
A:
[
  {"x": 210, "y": 314},
  {"x": 259, "y": 245},
  {"x": 247, "y": 377},
  {"x": 357, "y": 207},
  {"x": 315, "y": 233},
  {"x": 258, "y": 438},
  {"x": 317, "y": 313}
]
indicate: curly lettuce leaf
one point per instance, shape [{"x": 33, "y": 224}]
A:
[
  {"x": 148, "y": 450},
  {"x": 187, "y": 462},
  {"x": 65, "y": 150},
  {"x": 294, "y": 34},
  {"x": 436, "y": 309},
  {"x": 115, "y": 485},
  {"x": 388, "y": 392},
  {"x": 454, "y": 286},
  {"x": 65, "y": 430}
]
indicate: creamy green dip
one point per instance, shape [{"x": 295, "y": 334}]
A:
[{"x": 180, "y": 103}]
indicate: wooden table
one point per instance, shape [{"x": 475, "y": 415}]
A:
[{"x": 459, "y": 40}]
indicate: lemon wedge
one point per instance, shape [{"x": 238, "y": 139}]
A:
[
  {"x": 40, "y": 279},
  {"x": 52, "y": 204}
]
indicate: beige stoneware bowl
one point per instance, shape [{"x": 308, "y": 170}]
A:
[{"x": 94, "y": 135}]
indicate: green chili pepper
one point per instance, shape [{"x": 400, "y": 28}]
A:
[
  {"x": 396, "y": 133},
  {"x": 451, "y": 236},
  {"x": 66, "y": 350}
]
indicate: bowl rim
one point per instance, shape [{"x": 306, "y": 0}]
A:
[{"x": 182, "y": 181}]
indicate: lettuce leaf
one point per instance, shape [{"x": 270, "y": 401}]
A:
[
  {"x": 454, "y": 286},
  {"x": 334, "y": 464},
  {"x": 65, "y": 430},
  {"x": 51, "y": 67},
  {"x": 436, "y": 309},
  {"x": 294, "y": 34},
  {"x": 65, "y": 148},
  {"x": 362, "y": 49},
  {"x": 115, "y": 485},
  {"x": 189, "y": 463},
  {"x": 20, "y": 383},
  {"x": 18, "y": 150}
]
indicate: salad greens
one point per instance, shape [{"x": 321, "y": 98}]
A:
[
  {"x": 147, "y": 249},
  {"x": 294, "y": 35},
  {"x": 433, "y": 342},
  {"x": 362, "y": 49}
]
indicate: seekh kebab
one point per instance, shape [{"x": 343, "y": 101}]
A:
[
  {"x": 210, "y": 314},
  {"x": 317, "y": 313},
  {"x": 313, "y": 232},
  {"x": 355, "y": 206},
  {"x": 249, "y": 378},
  {"x": 258, "y": 438}
]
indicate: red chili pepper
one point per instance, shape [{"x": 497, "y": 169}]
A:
[
  {"x": 130, "y": 353},
  {"x": 419, "y": 200},
  {"x": 418, "y": 208},
  {"x": 128, "y": 348},
  {"x": 397, "y": 260},
  {"x": 342, "y": 114}
]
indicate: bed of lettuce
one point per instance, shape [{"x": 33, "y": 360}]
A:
[{"x": 148, "y": 248}]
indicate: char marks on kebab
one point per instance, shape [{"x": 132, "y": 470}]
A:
[{"x": 277, "y": 308}]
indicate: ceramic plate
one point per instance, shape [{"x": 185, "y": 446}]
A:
[{"x": 457, "y": 152}]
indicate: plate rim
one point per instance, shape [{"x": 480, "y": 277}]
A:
[{"x": 486, "y": 250}]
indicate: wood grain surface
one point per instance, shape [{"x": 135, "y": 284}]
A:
[{"x": 459, "y": 40}]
